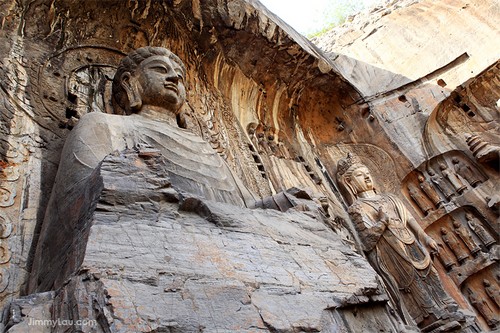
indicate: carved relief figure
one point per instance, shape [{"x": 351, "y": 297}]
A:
[
  {"x": 492, "y": 291},
  {"x": 454, "y": 244},
  {"x": 454, "y": 180},
  {"x": 272, "y": 145},
  {"x": 251, "y": 134},
  {"x": 396, "y": 247},
  {"x": 430, "y": 191},
  {"x": 419, "y": 199},
  {"x": 441, "y": 184},
  {"x": 263, "y": 145},
  {"x": 479, "y": 230},
  {"x": 283, "y": 150},
  {"x": 483, "y": 308},
  {"x": 445, "y": 258},
  {"x": 466, "y": 172},
  {"x": 466, "y": 237}
]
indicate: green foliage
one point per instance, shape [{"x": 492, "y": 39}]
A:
[
  {"x": 336, "y": 14},
  {"x": 322, "y": 31}
]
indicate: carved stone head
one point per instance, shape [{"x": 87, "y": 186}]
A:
[
  {"x": 354, "y": 175},
  {"x": 149, "y": 76}
]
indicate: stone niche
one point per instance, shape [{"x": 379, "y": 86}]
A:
[
  {"x": 435, "y": 186},
  {"x": 455, "y": 192}
]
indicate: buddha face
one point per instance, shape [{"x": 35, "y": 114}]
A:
[
  {"x": 159, "y": 81},
  {"x": 360, "y": 180}
]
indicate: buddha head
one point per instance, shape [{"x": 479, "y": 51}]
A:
[
  {"x": 354, "y": 175},
  {"x": 150, "y": 76}
]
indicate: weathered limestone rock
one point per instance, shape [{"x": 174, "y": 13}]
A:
[
  {"x": 436, "y": 96},
  {"x": 159, "y": 265},
  {"x": 449, "y": 42},
  {"x": 145, "y": 256},
  {"x": 57, "y": 66}
]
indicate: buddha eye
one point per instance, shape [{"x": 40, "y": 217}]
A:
[{"x": 160, "y": 69}]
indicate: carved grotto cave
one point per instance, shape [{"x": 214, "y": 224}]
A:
[{"x": 130, "y": 252}]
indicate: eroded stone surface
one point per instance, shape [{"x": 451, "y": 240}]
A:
[
  {"x": 281, "y": 114},
  {"x": 156, "y": 264}
]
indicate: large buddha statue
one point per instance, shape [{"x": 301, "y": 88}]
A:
[
  {"x": 398, "y": 249},
  {"x": 148, "y": 92},
  {"x": 149, "y": 87}
]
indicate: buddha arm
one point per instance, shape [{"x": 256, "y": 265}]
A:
[
  {"x": 72, "y": 196},
  {"x": 368, "y": 229},
  {"x": 421, "y": 235}
]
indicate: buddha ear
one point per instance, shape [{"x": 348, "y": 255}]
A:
[
  {"x": 131, "y": 88},
  {"x": 347, "y": 183}
]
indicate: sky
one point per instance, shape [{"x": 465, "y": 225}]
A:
[{"x": 310, "y": 16}]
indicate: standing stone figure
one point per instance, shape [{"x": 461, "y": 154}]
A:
[
  {"x": 430, "y": 191},
  {"x": 419, "y": 199},
  {"x": 396, "y": 247},
  {"x": 466, "y": 237},
  {"x": 452, "y": 177},
  {"x": 454, "y": 244},
  {"x": 441, "y": 184},
  {"x": 479, "y": 230},
  {"x": 445, "y": 258},
  {"x": 483, "y": 308},
  {"x": 492, "y": 291},
  {"x": 465, "y": 171}
]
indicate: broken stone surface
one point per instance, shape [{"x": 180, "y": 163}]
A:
[
  {"x": 155, "y": 264},
  {"x": 281, "y": 114}
]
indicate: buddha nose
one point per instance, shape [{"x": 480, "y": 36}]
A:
[{"x": 172, "y": 76}]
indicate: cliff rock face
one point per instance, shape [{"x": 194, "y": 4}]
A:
[
  {"x": 407, "y": 40},
  {"x": 435, "y": 92},
  {"x": 281, "y": 114}
]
